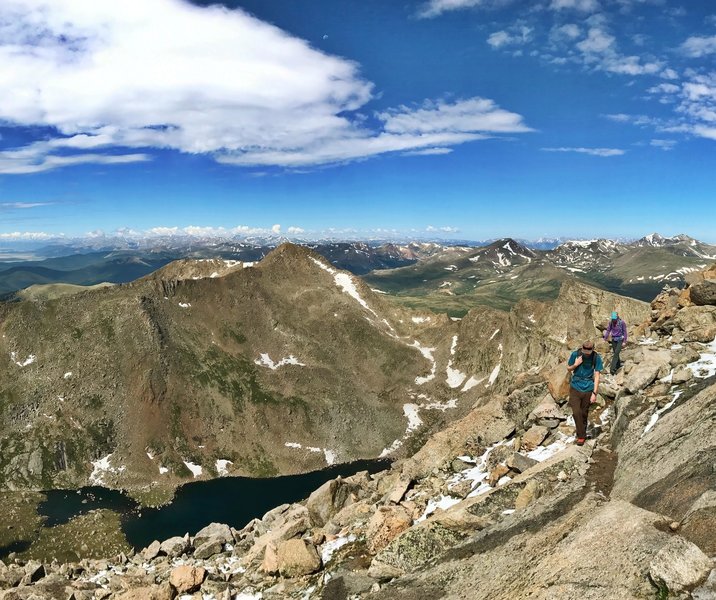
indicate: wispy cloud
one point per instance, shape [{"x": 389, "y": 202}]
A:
[
  {"x": 602, "y": 152},
  {"x": 117, "y": 80},
  {"x": 429, "y": 152},
  {"x": 663, "y": 144},
  {"x": 22, "y": 205},
  {"x": 435, "y": 8},
  {"x": 433, "y": 124},
  {"x": 28, "y": 236}
]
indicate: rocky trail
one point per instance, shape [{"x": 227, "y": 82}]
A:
[{"x": 499, "y": 504}]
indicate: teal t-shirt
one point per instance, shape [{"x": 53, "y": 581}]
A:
[{"x": 583, "y": 375}]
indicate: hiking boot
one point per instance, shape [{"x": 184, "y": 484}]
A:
[{"x": 580, "y": 441}]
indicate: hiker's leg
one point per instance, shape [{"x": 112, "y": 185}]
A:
[
  {"x": 575, "y": 403},
  {"x": 615, "y": 358},
  {"x": 585, "y": 400},
  {"x": 617, "y": 351}
]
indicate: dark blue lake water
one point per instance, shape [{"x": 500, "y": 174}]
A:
[{"x": 231, "y": 500}]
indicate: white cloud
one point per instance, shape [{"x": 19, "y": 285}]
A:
[
  {"x": 520, "y": 35},
  {"x": 429, "y": 152},
  {"x": 444, "y": 229},
  {"x": 295, "y": 230},
  {"x": 276, "y": 229},
  {"x": 568, "y": 31},
  {"x": 603, "y": 152},
  {"x": 22, "y": 205},
  {"x": 28, "y": 235},
  {"x": 167, "y": 74},
  {"x": 435, "y": 8},
  {"x": 664, "y": 88},
  {"x": 696, "y": 46},
  {"x": 580, "y": 5},
  {"x": 669, "y": 74},
  {"x": 434, "y": 124},
  {"x": 663, "y": 144},
  {"x": 599, "y": 49},
  {"x": 597, "y": 41}
]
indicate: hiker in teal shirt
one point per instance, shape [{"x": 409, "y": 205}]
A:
[{"x": 585, "y": 365}]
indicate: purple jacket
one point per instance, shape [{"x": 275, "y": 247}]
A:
[{"x": 618, "y": 330}]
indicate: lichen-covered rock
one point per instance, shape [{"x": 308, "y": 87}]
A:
[
  {"x": 414, "y": 548},
  {"x": 385, "y": 525},
  {"x": 296, "y": 558}
]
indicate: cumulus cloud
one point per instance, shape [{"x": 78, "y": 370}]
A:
[
  {"x": 295, "y": 230},
  {"x": 697, "y": 46},
  {"x": 603, "y": 152},
  {"x": 115, "y": 80},
  {"x": 519, "y": 35},
  {"x": 276, "y": 229},
  {"x": 599, "y": 49}
]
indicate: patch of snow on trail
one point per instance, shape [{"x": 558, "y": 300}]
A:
[
  {"x": 494, "y": 334},
  {"x": 420, "y": 319},
  {"x": 185, "y": 304},
  {"x": 265, "y": 361},
  {"x": 661, "y": 411},
  {"x": 67, "y": 375},
  {"x": 705, "y": 366},
  {"x": 330, "y": 547}
]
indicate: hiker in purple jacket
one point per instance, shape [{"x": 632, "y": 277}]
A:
[{"x": 618, "y": 330}]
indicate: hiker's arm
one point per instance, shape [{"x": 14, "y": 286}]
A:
[
  {"x": 607, "y": 331},
  {"x": 573, "y": 364},
  {"x": 596, "y": 386}
]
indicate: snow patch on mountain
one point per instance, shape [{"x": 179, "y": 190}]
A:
[
  {"x": 22, "y": 363},
  {"x": 427, "y": 353},
  {"x": 265, "y": 361}
]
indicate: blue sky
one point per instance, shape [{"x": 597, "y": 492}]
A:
[{"x": 463, "y": 119}]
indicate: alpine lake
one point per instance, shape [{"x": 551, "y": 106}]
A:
[{"x": 97, "y": 522}]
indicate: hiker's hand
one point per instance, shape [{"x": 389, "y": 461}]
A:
[
  {"x": 593, "y": 398},
  {"x": 578, "y": 361}
]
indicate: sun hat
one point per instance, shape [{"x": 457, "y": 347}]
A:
[{"x": 614, "y": 315}]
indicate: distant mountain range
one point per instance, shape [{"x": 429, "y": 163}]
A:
[{"x": 427, "y": 275}]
